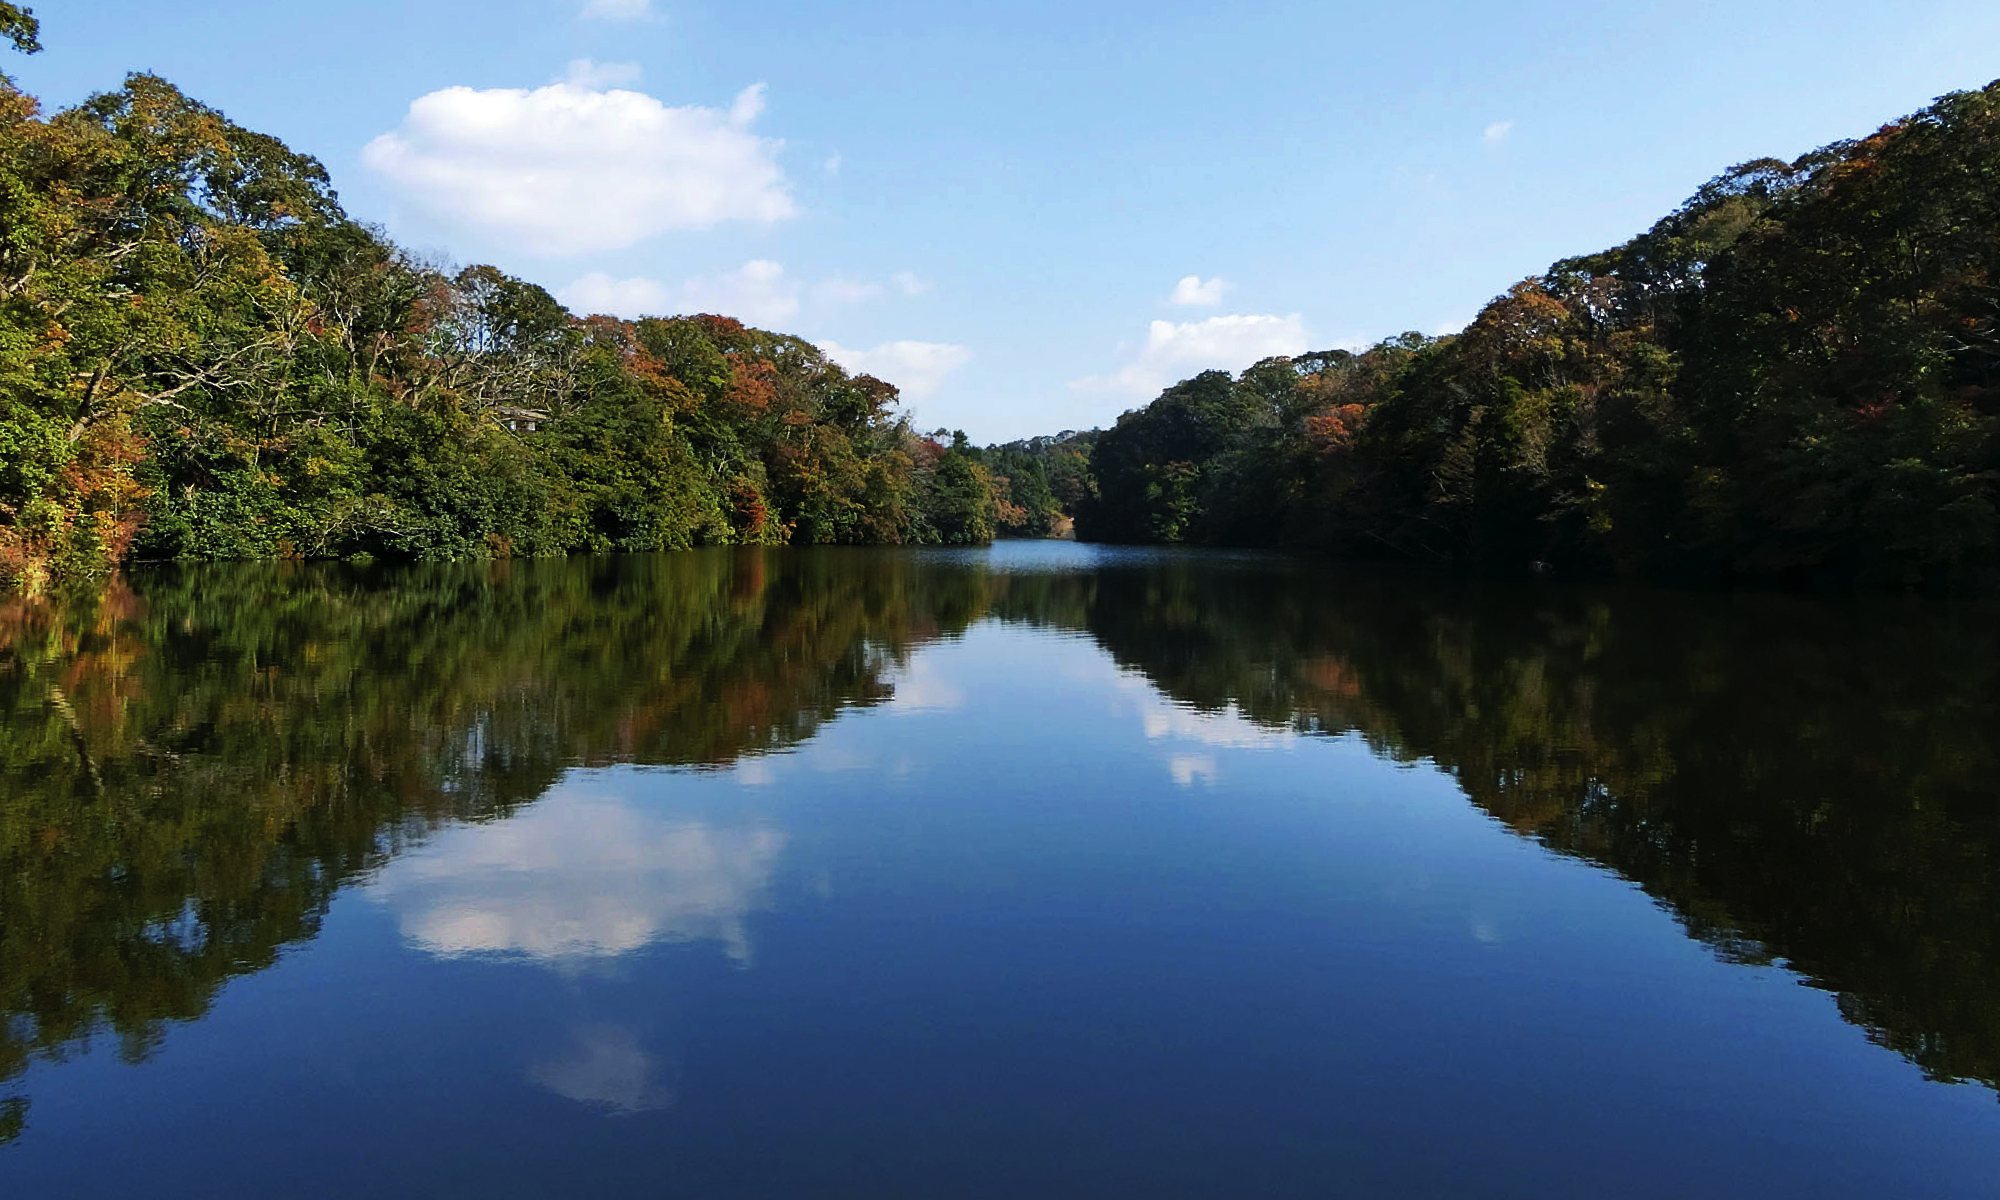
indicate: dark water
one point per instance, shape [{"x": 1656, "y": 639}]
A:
[{"x": 1047, "y": 872}]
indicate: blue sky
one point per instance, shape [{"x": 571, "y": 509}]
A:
[{"x": 1020, "y": 212}]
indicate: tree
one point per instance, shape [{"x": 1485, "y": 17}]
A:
[{"x": 19, "y": 26}]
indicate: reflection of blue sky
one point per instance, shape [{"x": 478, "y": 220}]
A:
[
  {"x": 941, "y": 682},
  {"x": 926, "y": 685},
  {"x": 576, "y": 877},
  {"x": 996, "y": 904},
  {"x": 1189, "y": 739}
]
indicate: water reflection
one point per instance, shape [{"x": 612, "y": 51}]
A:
[
  {"x": 195, "y": 762},
  {"x": 1189, "y": 736},
  {"x": 605, "y": 1066},
  {"x": 579, "y": 877}
]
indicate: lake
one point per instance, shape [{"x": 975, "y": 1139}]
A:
[{"x": 1049, "y": 870}]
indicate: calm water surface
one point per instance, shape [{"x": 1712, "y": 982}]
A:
[{"x": 1045, "y": 871}]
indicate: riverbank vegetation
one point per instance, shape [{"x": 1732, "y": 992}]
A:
[
  {"x": 1792, "y": 378},
  {"x": 203, "y": 356}
]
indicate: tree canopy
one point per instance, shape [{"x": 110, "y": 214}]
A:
[
  {"x": 1794, "y": 377},
  {"x": 203, "y": 356}
]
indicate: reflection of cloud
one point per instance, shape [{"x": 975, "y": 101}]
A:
[
  {"x": 1184, "y": 731},
  {"x": 1227, "y": 728},
  {"x": 1187, "y": 768},
  {"x": 605, "y": 1065},
  {"x": 922, "y": 687},
  {"x": 575, "y": 878},
  {"x": 1168, "y": 720}
]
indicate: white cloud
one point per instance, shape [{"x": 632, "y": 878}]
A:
[
  {"x": 595, "y": 76},
  {"x": 832, "y": 164},
  {"x": 1177, "y": 351},
  {"x": 1194, "y": 292},
  {"x": 575, "y": 878},
  {"x": 569, "y": 168},
  {"x": 759, "y": 292},
  {"x": 748, "y": 105},
  {"x": 830, "y": 292},
  {"x": 618, "y": 10},
  {"x": 908, "y": 283},
  {"x": 1497, "y": 132},
  {"x": 917, "y": 368},
  {"x": 598, "y": 292}
]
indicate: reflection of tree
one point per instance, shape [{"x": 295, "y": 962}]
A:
[
  {"x": 1796, "y": 781},
  {"x": 193, "y": 763}
]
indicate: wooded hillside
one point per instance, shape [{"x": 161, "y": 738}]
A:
[
  {"x": 1793, "y": 377},
  {"x": 203, "y": 356}
]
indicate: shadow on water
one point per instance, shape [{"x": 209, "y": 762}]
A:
[{"x": 193, "y": 762}]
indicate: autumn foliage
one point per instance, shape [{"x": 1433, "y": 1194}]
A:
[
  {"x": 203, "y": 356},
  {"x": 1793, "y": 378}
]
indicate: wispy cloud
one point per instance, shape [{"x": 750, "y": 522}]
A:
[
  {"x": 618, "y": 10},
  {"x": 918, "y": 369},
  {"x": 1173, "y": 352},
  {"x": 1498, "y": 132},
  {"x": 596, "y": 76},
  {"x": 759, "y": 292},
  {"x": 834, "y": 292}
]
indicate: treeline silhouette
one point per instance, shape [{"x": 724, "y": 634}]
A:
[{"x": 1793, "y": 378}]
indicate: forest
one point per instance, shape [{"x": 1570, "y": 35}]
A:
[
  {"x": 202, "y": 356},
  {"x": 1791, "y": 379}
]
